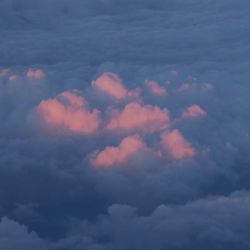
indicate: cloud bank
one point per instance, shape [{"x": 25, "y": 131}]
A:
[{"x": 124, "y": 124}]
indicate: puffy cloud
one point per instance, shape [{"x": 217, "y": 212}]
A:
[
  {"x": 35, "y": 74},
  {"x": 110, "y": 156},
  {"x": 111, "y": 84},
  {"x": 165, "y": 40},
  {"x": 178, "y": 147},
  {"x": 137, "y": 117},
  {"x": 215, "y": 223},
  {"x": 193, "y": 112},
  {"x": 15, "y": 236},
  {"x": 156, "y": 89},
  {"x": 69, "y": 112}
]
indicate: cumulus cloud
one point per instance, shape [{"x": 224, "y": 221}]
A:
[
  {"x": 193, "y": 111},
  {"x": 185, "y": 48},
  {"x": 156, "y": 89},
  {"x": 178, "y": 147},
  {"x": 110, "y": 84},
  {"x": 68, "y": 112},
  {"x": 137, "y": 117},
  {"x": 35, "y": 74},
  {"x": 111, "y": 156},
  {"x": 15, "y": 236},
  {"x": 216, "y": 223}
]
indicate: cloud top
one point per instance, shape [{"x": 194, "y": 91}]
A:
[
  {"x": 178, "y": 147},
  {"x": 193, "y": 112},
  {"x": 69, "y": 112},
  {"x": 137, "y": 117},
  {"x": 35, "y": 74},
  {"x": 112, "y": 156},
  {"x": 156, "y": 88},
  {"x": 111, "y": 84}
]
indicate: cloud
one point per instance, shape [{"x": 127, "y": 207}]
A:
[
  {"x": 178, "y": 147},
  {"x": 68, "y": 112},
  {"x": 111, "y": 156},
  {"x": 110, "y": 84},
  {"x": 193, "y": 111},
  {"x": 156, "y": 89},
  {"x": 15, "y": 236},
  {"x": 186, "y": 47},
  {"x": 137, "y": 117},
  {"x": 217, "y": 223},
  {"x": 35, "y": 74}
]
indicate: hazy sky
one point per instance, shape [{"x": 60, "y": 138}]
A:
[{"x": 125, "y": 124}]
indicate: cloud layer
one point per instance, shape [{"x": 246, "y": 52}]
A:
[{"x": 124, "y": 124}]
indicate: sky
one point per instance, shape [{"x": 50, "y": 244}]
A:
[{"x": 124, "y": 124}]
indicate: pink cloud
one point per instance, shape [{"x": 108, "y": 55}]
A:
[
  {"x": 136, "y": 117},
  {"x": 35, "y": 74},
  {"x": 193, "y": 112},
  {"x": 193, "y": 86},
  {"x": 68, "y": 112},
  {"x": 156, "y": 89},
  {"x": 178, "y": 147},
  {"x": 111, "y": 156},
  {"x": 111, "y": 84}
]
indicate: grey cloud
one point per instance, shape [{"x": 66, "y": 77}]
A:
[
  {"x": 15, "y": 236},
  {"x": 217, "y": 223}
]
